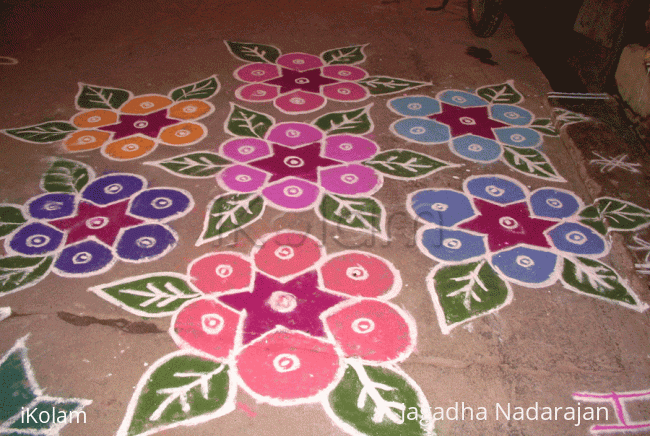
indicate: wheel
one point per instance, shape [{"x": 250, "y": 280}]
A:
[{"x": 484, "y": 16}]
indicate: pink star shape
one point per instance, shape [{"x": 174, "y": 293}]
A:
[{"x": 302, "y": 162}]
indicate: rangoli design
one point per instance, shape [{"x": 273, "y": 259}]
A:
[
  {"x": 83, "y": 224},
  {"x": 26, "y": 409},
  {"x": 483, "y": 127},
  {"x": 328, "y": 166},
  {"x": 125, "y": 126},
  {"x": 496, "y": 232},
  {"x": 300, "y": 83},
  {"x": 288, "y": 324},
  {"x": 619, "y": 401}
]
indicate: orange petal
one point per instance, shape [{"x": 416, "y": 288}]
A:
[
  {"x": 145, "y": 104},
  {"x": 128, "y": 148},
  {"x": 94, "y": 118},
  {"x": 190, "y": 110},
  {"x": 85, "y": 140},
  {"x": 182, "y": 134}
]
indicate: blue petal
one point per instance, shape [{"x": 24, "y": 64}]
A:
[
  {"x": 160, "y": 203},
  {"x": 146, "y": 242},
  {"x": 511, "y": 114},
  {"x": 461, "y": 98},
  {"x": 452, "y": 245},
  {"x": 442, "y": 207},
  {"x": 495, "y": 189},
  {"x": 52, "y": 206},
  {"x": 35, "y": 239},
  {"x": 86, "y": 257},
  {"x": 553, "y": 203},
  {"x": 578, "y": 239},
  {"x": 477, "y": 148},
  {"x": 518, "y": 136},
  {"x": 525, "y": 264},
  {"x": 415, "y": 106},
  {"x": 112, "y": 188},
  {"x": 421, "y": 130}
]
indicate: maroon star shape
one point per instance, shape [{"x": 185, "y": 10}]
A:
[
  {"x": 149, "y": 125},
  {"x": 102, "y": 222},
  {"x": 464, "y": 120},
  {"x": 302, "y": 162},
  {"x": 508, "y": 225},
  {"x": 296, "y": 305},
  {"x": 310, "y": 80}
]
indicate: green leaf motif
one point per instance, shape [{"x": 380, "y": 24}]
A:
[
  {"x": 199, "y": 90},
  {"x": 199, "y": 165},
  {"x": 591, "y": 277},
  {"x": 531, "y": 162},
  {"x": 245, "y": 122},
  {"x": 464, "y": 292},
  {"x": 613, "y": 214},
  {"x": 179, "y": 389},
  {"x": 405, "y": 164},
  {"x": 16, "y": 390},
  {"x": 379, "y": 401},
  {"x": 356, "y": 121},
  {"x": 230, "y": 212},
  {"x": 11, "y": 217},
  {"x": 18, "y": 272},
  {"x": 66, "y": 176},
  {"x": 380, "y": 85},
  {"x": 96, "y": 97},
  {"x": 251, "y": 52},
  {"x": 50, "y": 131},
  {"x": 357, "y": 213},
  {"x": 544, "y": 126},
  {"x": 149, "y": 295},
  {"x": 344, "y": 56},
  {"x": 504, "y": 93}
]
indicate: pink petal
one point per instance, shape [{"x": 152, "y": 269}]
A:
[
  {"x": 349, "y": 148},
  {"x": 257, "y": 92},
  {"x": 359, "y": 275},
  {"x": 345, "y": 91},
  {"x": 299, "y": 61},
  {"x": 287, "y": 253},
  {"x": 245, "y": 149},
  {"x": 257, "y": 72},
  {"x": 292, "y": 194},
  {"x": 293, "y": 134},
  {"x": 220, "y": 272},
  {"x": 344, "y": 72}
]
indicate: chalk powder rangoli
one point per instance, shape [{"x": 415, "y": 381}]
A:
[
  {"x": 26, "y": 409},
  {"x": 288, "y": 324},
  {"x": 496, "y": 232},
  {"x": 619, "y": 401},
  {"x": 125, "y": 126},
  {"x": 327, "y": 166},
  {"x": 482, "y": 127},
  {"x": 83, "y": 224},
  {"x": 300, "y": 83}
]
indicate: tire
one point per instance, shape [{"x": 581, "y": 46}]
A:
[{"x": 484, "y": 16}]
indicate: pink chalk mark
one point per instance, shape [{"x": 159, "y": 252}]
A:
[
  {"x": 243, "y": 407},
  {"x": 618, "y": 401}
]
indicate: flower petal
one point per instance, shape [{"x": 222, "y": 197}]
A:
[
  {"x": 145, "y": 104},
  {"x": 452, "y": 245},
  {"x": 220, "y": 272},
  {"x": 358, "y": 274},
  {"x": 526, "y": 265},
  {"x": 518, "y": 136},
  {"x": 85, "y": 140},
  {"x": 207, "y": 326},
  {"x": 421, "y": 130},
  {"x": 416, "y": 106},
  {"x": 344, "y": 72},
  {"x": 294, "y": 134},
  {"x": 190, "y": 109},
  {"x": 349, "y": 179},
  {"x": 299, "y": 61},
  {"x": 183, "y": 134},
  {"x": 371, "y": 330},
  {"x": 349, "y": 148},
  {"x": 578, "y": 239},
  {"x": 161, "y": 204},
  {"x": 94, "y": 118},
  {"x": 495, "y": 189},
  {"x": 284, "y": 367},
  {"x": 112, "y": 188},
  {"x": 554, "y": 203},
  {"x": 477, "y": 148},
  {"x": 36, "y": 239},
  {"x": 245, "y": 149},
  {"x": 345, "y": 91},
  {"x": 146, "y": 242},
  {"x": 257, "y": 72},
  {"x": 461, "y": 98},
  {"x": 242, "y": 178},
  {"x": 510, "y": 114},
  {"x": 132, "y": 147},
  {"x": 287, "y": 253},
  {"x": 257, "y": 92},
  {"x": 293, "y": 194},
  {"x": 52, "y": 206},
  {"x": 443, "y": 207},
  {"x": 84, "y": 258},
  {"x": 299, "y": 102}
]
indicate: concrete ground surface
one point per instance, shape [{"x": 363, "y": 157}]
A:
[{"x": 545, "y": 347}]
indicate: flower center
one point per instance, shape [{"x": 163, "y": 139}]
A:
[
  {"x": 282, "y": 302},
  {"x": 293, "y": 162},
  {"x": 97, "y": 222},
  {"x": 140, "y": 124},
  {"x": 302, "y": 80},
  {"x": 286, "y": 362},
  {"x": 468, "y": 121},
  {"x": 508, "y": 222}
]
